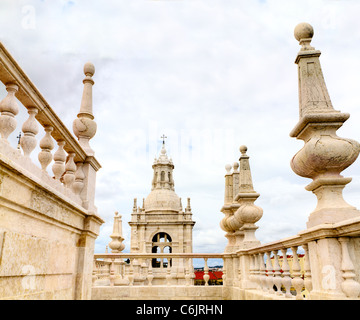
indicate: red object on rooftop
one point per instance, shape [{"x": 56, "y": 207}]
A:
[{"x": 214, "y": 275}]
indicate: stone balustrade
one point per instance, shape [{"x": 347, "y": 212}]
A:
[
  {"x": 278, "y": 270},
  {"x": 73, "y": 165},
  {"x": 298, "y": 268},
  {"x": 48, "y": 219},
  {"x": 294, "y": 268},
  {"x": 148, "y": 269}
]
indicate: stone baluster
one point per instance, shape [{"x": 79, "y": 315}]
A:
[
  {"x": 307, "y": 267},
  {"x": 106, "y": 269},
  {"x": 70, "y": 168},
  {"x": 9, "y": 109},
  {"x": 349, "y": 286},
  {"x": 192, "y": 271},
  {"x": 252, "y": 271},
  {"x": 122, "y": 269},
  {"x": 58, "y": 167},
  {"x": 240, "y": 273},
  {"x": 137, "y": 270},
  {"x": 131, "y": 273},
  {"x": 270, "y": 273},
  {"x": 257, "y": 277},
  {"x": 224, "y": 276},
  {"x": 46, "y": 144},
  {"x": 297, "y": 281},
  {"x": 78, "y": 184},
  {"x": 112, "y": 272},
  {"x": 117, "y": 270},
  {"x": 168, "y": 272},
  {"x": 30, "y": 128},
  {"x": 188, "y": 266},
  {"x": 262, "y": 272},
  {"x": 94, "y": 273},
  {"x": 277, "y": 273},
  {"x": 143, "y": 270},
  {"x": 206, "y": 276},
  {"x": 286, "y": 279},
  {"x": 150, "y": 275}
]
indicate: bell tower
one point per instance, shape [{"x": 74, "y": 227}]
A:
[{"x": 161, "y": 225}]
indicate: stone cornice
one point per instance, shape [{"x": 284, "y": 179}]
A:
[{"x": 308, "y": 119}]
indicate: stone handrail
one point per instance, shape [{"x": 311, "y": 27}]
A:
[{"x": 74, "y": 165}]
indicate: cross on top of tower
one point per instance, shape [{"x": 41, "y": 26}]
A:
[{"x": 163, "y": 137}]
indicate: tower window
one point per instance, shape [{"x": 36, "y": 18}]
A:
[{"x": 161, "y": 243}]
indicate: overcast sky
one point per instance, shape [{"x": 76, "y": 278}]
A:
[{"x": 211, "y": 75}]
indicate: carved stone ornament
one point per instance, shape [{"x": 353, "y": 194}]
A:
[{"x": 324, "y": 155}]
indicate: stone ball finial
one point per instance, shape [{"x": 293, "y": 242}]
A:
[
  {"x": 243, "y": 149},
  {"x": 228, "y": 167},
  {"x": 303, "y": 31},
  {"x": 236, "y": 166},
  {"x": 89, "y": 69}
]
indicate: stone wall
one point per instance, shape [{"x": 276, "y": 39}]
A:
[{"x": 46, "y": 240}]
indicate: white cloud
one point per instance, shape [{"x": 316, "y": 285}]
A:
[{"x": 216, "y": 74}]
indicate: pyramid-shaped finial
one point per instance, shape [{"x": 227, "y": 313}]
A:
[
  {"x": 313, "y": 94},
  {"x": 247, "y": 213},
  {"x": 325, "y": 155},
  {"x": 245, "y": 179},
  {"x": 116, "y": 244}
]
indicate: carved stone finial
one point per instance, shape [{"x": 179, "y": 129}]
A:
[
  {"x": 240, "y": 211},
  {"x": 228, "y": 169},
  {"x": 188, "y": 207},
  {"x": 324, "y": 155},
  {"x": 245, "y": 179},
  {"x": 243, "y": 150},
  {"x": 303, "y": 33},
  {"x": 116, "y": 244},
  {"x": 236, "y": 166},
  {"x": 247, "y": 213},
  {"x": 84, "y": 126}
]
